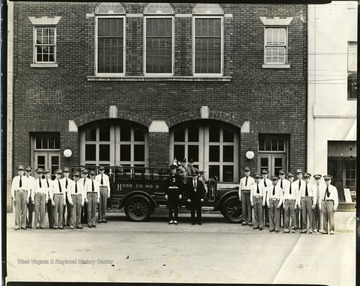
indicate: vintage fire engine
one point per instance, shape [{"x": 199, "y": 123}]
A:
[{"x": 139, "y": 190}]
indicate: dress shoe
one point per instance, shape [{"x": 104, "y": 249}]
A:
[
  {"x": 41, "y": 227},
  {"x": 171, "y": 222},
  {"x": 193, "y": 223},
  {"x": 79, "y": 227},
  {"x": 89, "y": 225},
  {"x": 276, "y": 230},
  {"x": 100, "y": 221},
  {"x": 303, "y": 231},
  {"x": 332, "y": 233},
  {"x": 286, "y": 231},
  {"x": 260, "y": 228},
  {"x": 199, "y": 223},
  {"x": 17, "y": 228},
  {"x": 38, "y": 227},
  {"x": 271, "y": 230},
  {"x": 55, "y": 227},
  {"x": 104, "y": 221},
  {"x": 175, "y": 222},
  {"x": 24, "y": 228},
  {"x": 71, "y": 227},
  {"x": 255, "y": 227},
  {"x": 93, "y": 225},
  {"x": 244, "y": 223}
]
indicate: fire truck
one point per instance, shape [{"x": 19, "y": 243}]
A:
[{"x": 139, "y": 190}]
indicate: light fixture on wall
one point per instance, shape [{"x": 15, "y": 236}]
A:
[
  {"x": 249, "y": 155},
  {"x": 67, "y": 153}
]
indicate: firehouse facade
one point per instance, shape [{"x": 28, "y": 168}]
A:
[{"x": 141, "y": 84}]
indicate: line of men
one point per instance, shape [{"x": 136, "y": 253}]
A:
[
  {"x": 77, "y": 198},
  {"x": 300, "y": 202}
]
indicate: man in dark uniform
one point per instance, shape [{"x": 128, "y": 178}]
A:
[
  {"x": 173, "y": 196},
  {"x": 196, "y": 191}
]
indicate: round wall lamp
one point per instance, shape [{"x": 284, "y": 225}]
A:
[
  {"x": 67, "y": 153},
  {"x": 249, "y": 155}
]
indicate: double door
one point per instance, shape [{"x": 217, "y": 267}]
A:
[
  {"x": 47, "y": 160},
  {"x": 273, "y": 163}
]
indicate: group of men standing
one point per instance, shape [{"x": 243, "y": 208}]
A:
[
  {"x": 68, "y": 201},
  {"x": 300, "y": 203}
]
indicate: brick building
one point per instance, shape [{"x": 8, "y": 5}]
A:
[{"x": 139, "y": 84}]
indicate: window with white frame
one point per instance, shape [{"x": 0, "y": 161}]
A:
[
  {"x": 207, "y": 39},
  {"x": 275, "y": 45},
  {"x": 110, "y": 39},
  {"x": 45, "y": 45},
  {"x": 159, "y": 39}
]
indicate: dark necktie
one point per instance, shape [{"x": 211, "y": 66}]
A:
[
  {"x": 246, "y": 181},
  {"x": 75, "y": 187},
  {"x": 290, "y": 190},
  {"x": 59, "y": 186},
  {"x": 306, "y": 191},
  {"x": 102, "y": 181},
  {"x": 257, "y": 189},
  {"x": 84, "y": 181},
  {"x": 66, "y": 183},
  {"x": 40, "y": 183},
  {"x": 93, "y": 187},
  {"x": 327, "y": 192},
  {"x": 47, "y": 182},
  {"x": 281, "y": 185},
  {"x": 274, "y": 191},
  {"x": 265, "y": 183},
  {"x": 20, "y": 183},
  {"x": 299, "y": 184}
]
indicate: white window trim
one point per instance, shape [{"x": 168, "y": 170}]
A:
[
  {"x": 277, "y": 65},
  {"x": 96, "y": 46},
  {"x": 222, "y": 47},
  {"x": 172, "y": 48},
  {"x": 44, "y": 64}
]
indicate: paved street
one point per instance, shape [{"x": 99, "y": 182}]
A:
[{"x": 154, "y": 251}]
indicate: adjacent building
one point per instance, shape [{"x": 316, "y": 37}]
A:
[{"x": 139, "y": 84}]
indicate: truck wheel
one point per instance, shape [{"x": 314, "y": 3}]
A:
[
  {"x": 231, "y": 209},
  {"x": 138, "y": 208}
]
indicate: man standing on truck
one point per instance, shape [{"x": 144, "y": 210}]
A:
[
  {"x": 196, "y": 191},
  {"x": 173, "y": 196}
]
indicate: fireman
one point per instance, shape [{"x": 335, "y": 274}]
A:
[{"x": 173, "y": 196}]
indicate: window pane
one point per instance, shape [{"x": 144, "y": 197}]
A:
[
  {"x": 139, "y": 135},
  {"x": 125, "y": 133},
  {"x": 274, "y": 146},
  {"x": 139, "y": 152},
  {"x": 228, "y": 153},
  {"x": 57, "y": 142},
  {"x": 51, "y": 143},
  {"x": 261, "y": 144},
  {"x": 193, "y": 152},
  {"x": 104, "y": 133},
  {"x": 179, "y": 152},
  {"x": 41, "y": 160},
  {"x": 264, "y": 163},
  {"x": 214, "y": 153},
  {"x": 228, "y": 136},
  {"x": 214, "y": 134},
  {"x": 90, "y": 134},
  {"x": 193, "y": 134},
  {"x": 38, "y": 143},
  {"x": 104, "y": 152},
  {"x": 90, "y": 152},
  {"x": 268, "y": 144},
  {"x": 214, "y": 171},
  {"x": 179, "y": 135},
  {"x": 228, "y": 173},
  {"x": 281, "y": 145},
  {"x": 125, "y": 152}
]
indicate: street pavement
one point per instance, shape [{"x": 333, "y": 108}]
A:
[{"x": 153, "y": 251}]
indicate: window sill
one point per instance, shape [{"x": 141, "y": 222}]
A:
[
  {"x": 158, "y": 78},
  {"x": 44, "y": 65},
  {"x": 281, "y": 66}
]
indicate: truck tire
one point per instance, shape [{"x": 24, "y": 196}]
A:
[
  {"x": 138, "y": 208},
  {"x": 231, "y": 209}
]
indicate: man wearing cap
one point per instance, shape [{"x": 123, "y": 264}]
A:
[
  {"x": 196, "y": 191},
  {"x": 299, "y": 187},
  {"x": 173, "y": 196},
  {"x": 83, "y": 181},
  {"x": 244, "y": 196},
  {"x": 289, "y": 203},
  {"x": 40, "y": 197},
  {"x": 59, "y": 199},
  {"x": 274, "y": 200},
  {"x": 257, "y": 200},
  {"x": 92, "y": 198},
  {"x": 307, "y": 203},
  {"x": 20, "y": 197},
  {"x": 182, "y": 171},
  {"x": 190, "y": 169},
  {"x": 104, "y": 183},
  {"x": 76, "y": 199},
  {"x": 316, "y": 210},
  {"x": 283, "y": 183},
  {"x": 267, "y": 184},
  {"x": 30, "y": 205},
  {"x": 67, "y": 208},
  {"x": 329, "y": 204},
  {"x": 50, "y": 207}
]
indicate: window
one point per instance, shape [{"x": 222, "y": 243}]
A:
[
  {"x": 352, "y": 70},
  {"x": 110, "y": 39},
  {"x": 275, "y": 45},
  {"x": 47, "y": 142},
  {"x": 159, "y": 39},
  {"x": 208, "y": 39},
  {"x": 45, "y": 45}
]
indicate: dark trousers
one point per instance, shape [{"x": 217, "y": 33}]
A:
[
  {"x": 258, "y": 212},
  {"x": 298, "y": 218},
  {"x": 173, "y": 203},
  {"x": 195, "y": 206},
  {"x": 50, "y": 211},
  {"x": 91, "y": 207},
  {"x": 266, "y": 214},
  {"x": 306, "y": 212},
  {"x": 30, "y": 208},
  {"x": 246, "y": 205},
  {"x": 84, "y": 213},
  {"x": 316, "y": 217}
]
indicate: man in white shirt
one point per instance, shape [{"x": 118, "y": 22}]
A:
[
  {"x": 104, "y": 183},
  {"x": 283, "y": 184},
  {"x": 67, "y": 182},
  {"x": 316, "y": 210},
  {"x": 40, "y": 197},
  {"x": 76, "y": 199},
  {"x": 59, "y": 200},
  {"x": 30, "y": 205},
  {"x": 329, "y": 204},
  {"x": 244, "y": 196},
  {"x": 289, "y": 203},
  {"x": 267, "y": 184},
  {"x": 298, "y": 186},
  {"x": 20, "y": 196},
  {"x": 257, "y": 200},
  {"x": 83, "y": 181},
  {"x": 274, "y": 201},
  {"x": 92, "y": 198},
  {"x": 50, "y": 207},
  {"x": 307, "y": 203}
]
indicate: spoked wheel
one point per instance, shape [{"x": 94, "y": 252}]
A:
[
  {"x": 232, "y": 210},
  {"x": 138, "y": 208}
]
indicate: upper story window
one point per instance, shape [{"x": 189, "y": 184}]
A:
[
  {"x": 159, "y": 39},
  {"x": 110, "y": 39},
  {"x": 352, "y": 70},
  {"x": 208, "y": 39}
]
